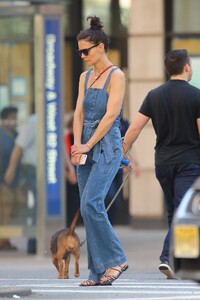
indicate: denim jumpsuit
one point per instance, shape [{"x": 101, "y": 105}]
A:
[{"x": 94, "y": 180}]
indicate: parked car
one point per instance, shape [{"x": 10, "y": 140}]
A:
[{"x": 185, "y": 248}]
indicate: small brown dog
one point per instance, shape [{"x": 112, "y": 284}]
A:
[{"x": 64, "y": 243}]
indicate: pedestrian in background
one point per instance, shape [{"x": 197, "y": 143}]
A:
[
  {"x": 8, "y": 194},
  {"x": 25, "y": 150},
  {"x": 97, "y": 133},
  {"x": 174, "y": 108},
  {"x": 72, "y": 192}
]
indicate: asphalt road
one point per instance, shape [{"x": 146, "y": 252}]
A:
[{"x": 22, "y": 272}]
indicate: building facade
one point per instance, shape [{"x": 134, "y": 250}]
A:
[{"x": 155, "y": 27}]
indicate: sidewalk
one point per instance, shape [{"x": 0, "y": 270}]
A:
[{"x": 142, "y": 248}]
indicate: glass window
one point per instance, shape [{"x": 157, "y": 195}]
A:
[
  {"x": 16, "y": 81},
  {"x": 186, "y": 16},
  {"x": 182, "y": 31},
  {"x": 182, "y": 25},
  {"x": 196, "y": 71},
  {"x": 102, "y": 9},
  {"x": 113, "y": 13},
  {"x": 125, "y": 12},
  {"x": 15, "y": 28},
  {"x": 18, "y": 200}
]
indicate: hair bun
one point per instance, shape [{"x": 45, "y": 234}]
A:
[{"x": 95, "y": 22}]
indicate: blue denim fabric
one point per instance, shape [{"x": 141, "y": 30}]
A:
[
  {"x": 94, "y": 180},
  {"x": 175, "y": 181}
]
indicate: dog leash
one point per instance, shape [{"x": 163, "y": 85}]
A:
[
  {"x": 117, "y": 193},
  {"x": 113, "y": 200}
]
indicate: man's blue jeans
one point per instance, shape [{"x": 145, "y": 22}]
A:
[{"x": 175, "y": 180}]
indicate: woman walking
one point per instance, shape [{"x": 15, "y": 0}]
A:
[{"x": 97, "y": 134}]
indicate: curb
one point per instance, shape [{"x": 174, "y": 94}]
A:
[{"x": 14, "y": 292}]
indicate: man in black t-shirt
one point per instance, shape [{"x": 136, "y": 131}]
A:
[{"x": 174, "y": 108}]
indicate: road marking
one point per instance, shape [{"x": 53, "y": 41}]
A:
[
  {"x": 163, "y": 298},
  {"x": 105, "y": 290},
  {"x": 117, "y": 286},
  {"x": 124, "y": 282},
  {"x": 136, "y": 289}
]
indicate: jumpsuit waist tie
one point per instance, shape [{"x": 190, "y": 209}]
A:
[{"x": 105, "y": 145}]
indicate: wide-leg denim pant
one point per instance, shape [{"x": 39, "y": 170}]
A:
[{"x": 104, "y": 249}]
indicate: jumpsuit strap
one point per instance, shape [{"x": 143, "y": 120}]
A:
[
  {"x": 86, "y": 79},
  {"x": 108, "y": 79}
]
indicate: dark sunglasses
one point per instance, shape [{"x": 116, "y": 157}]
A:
[{"x": 85, "y": 51}]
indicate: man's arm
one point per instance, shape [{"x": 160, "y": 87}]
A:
[
  {"x": 14, "y": 159},
  {"x": 198, "y": 125},
  {"x": 134, "y": 131}
]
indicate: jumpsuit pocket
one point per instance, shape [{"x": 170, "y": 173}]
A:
[{"x": 110, "y": 143}]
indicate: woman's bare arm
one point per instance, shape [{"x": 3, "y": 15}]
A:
[{"x": 115, "y": 100}]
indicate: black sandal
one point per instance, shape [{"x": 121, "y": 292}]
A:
[
  {"x": 111, "y": 278},
  {"x": 89, "y": 283}
]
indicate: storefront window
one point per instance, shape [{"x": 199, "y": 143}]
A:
[
  {"x": 15, "y": 28},
  {"x": 113, "y": 13},
  {"x": 182, "y": 31},
  {"x": 125, "y": 11},
  {"x": 102, "y": 9},
  {"x": 16, "y": 82},
  {"x": 186, "y": 16},
  {"x": 18, "y": 196}
]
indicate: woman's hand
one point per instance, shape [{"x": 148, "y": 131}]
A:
[
  {"x": 132, "y": 166},
  {"x": 80, "y": 149},
  {"x": 77, "y": 151}
]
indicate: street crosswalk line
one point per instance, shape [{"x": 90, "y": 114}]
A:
[
  {"x": 130, "y": 288},
  {"x": 119, "y": 281},
  {"x": 105, "y": 290},
  {"x": 117, "y": 285}
]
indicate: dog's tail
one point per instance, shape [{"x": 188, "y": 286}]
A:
[{"x": 74, "y": 221}]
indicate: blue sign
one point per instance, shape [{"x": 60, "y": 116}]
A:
[{"x": 53, "y": 126}]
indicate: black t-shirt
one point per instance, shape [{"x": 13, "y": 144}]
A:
[{"x": 174, "y": 108}]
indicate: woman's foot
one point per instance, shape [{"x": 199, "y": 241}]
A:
[
  {"x": 89, "y": 283},
  {"x": 112, "y": 274}
]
